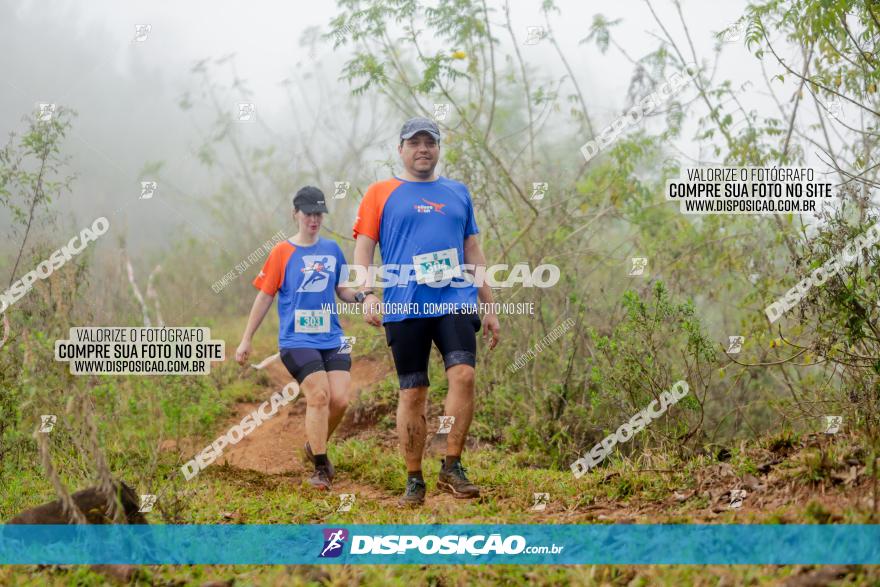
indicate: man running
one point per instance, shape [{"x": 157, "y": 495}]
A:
[{"x": 426, "y": 223}]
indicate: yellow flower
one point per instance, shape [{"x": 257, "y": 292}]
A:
[{"x": 459, "y": 54}]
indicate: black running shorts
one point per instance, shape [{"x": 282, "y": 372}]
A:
[
  {"x": 303, "y": 362},
  {"x": 410, "y": 340}
]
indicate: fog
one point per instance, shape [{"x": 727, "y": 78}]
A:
[{"x": 127, "y": 94}]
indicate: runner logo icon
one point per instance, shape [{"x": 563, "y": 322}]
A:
[
  {"x": 316, "y": 273},
  {"x": 334, "y": 540}
]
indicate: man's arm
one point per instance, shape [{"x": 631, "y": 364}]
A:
[
  {"x": 473, "y": 255},
  {"x": 364, "y": 249}
]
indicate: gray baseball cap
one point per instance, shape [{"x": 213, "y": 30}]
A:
[{"x": 419, "y": 124}]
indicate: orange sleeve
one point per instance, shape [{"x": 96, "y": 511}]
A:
[
  {"x": 272, "y": 275},
  {"x": 370, "y": 211}
]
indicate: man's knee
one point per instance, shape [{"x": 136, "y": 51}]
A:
[
  {"x": 413, "y": 399},
  {"x": 461, "y": 376}
]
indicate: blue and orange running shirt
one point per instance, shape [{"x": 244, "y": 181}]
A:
[
  {"x": 305, "y": 279},
  {"x": 421, "y": 227}
]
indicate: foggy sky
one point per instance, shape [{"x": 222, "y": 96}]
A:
[{"x": 82, "y": 55}]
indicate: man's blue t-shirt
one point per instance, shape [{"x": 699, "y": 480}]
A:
[{"x": 421, "y": 228}]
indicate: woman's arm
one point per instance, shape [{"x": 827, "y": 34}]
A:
[
  {"x": 346, "y": 294},
  {"x": 262, "y": 303}
]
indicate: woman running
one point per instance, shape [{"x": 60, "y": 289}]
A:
[{"x": 310, "y": 339}]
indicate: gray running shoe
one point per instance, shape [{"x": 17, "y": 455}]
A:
[{"x": 415, "y": 493}]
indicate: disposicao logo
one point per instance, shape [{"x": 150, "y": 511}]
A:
[
  {"x": 334, "y": 540},
  {"x": 405, "y": 544}
]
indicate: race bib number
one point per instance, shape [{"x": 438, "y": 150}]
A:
[
  {"x": 311, "y": 321},
  {"x": 436, "y": 266}
]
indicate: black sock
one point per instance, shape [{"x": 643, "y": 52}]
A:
[
  {"x": 450, "y": 460},
  {"x": 322, "y": 461},
  {"x": 415, "y": 475}
]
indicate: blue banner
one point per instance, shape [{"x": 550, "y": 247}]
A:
[{"x": 441, "y": 544}]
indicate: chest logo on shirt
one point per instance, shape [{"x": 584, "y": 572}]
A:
[
  {"x": 429, "y": 207},
  {"x": 317, "y": 272}
]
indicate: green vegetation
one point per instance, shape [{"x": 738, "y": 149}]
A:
[{"x": 752, "y": 420}]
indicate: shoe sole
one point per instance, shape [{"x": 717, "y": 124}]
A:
[
  {"x": 319, "y": 485},
  {"x": 448, "y": 488},
  {"x": 410, "y": 504}
]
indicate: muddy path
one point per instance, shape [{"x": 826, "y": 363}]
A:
[{"x": 276, "y": 447}]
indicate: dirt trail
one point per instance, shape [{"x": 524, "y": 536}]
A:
[{"x": 276, "y": 446}]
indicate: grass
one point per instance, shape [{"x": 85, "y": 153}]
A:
[
  {"x": 408, "y": 575},
  {"x": 140, "y": 412}
]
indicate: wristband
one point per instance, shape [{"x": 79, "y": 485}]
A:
[{"x": 360, "y": 296}]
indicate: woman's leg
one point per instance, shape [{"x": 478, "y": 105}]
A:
[
  {"x": 316, "y": 388},
  {"x": 339, "y": 398},
  {"x": 307, "y": 367}
]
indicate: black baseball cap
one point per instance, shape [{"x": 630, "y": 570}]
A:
[
  {"x": 310, "y": 200},
  {"x": 417, "y": 125}
]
